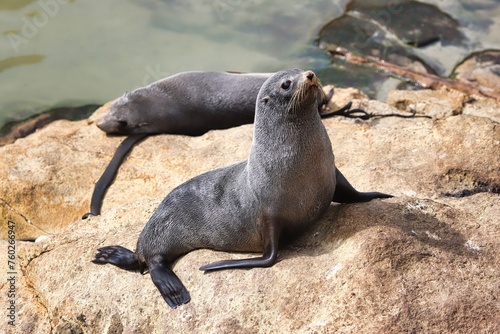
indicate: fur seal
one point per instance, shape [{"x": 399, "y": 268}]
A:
[
  {"x": 189, "y": 103},
  {"x": 287, "y": 183}
]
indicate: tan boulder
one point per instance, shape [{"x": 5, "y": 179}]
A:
[
  {"x": 391, "y": 266},
  {"x": 425, "y": 261}
]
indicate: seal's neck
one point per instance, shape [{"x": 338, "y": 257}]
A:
[{"x": 284, "y": 136}]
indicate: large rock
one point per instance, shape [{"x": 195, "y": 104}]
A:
[
  {"x": 437, "y": 104},
  {"x": 425, "y": 261}
]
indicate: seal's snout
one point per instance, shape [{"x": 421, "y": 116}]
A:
[
  {"x": 102, "y": 123},
  {"x": 310, "y": 75},
  {"x": 112, "y": 125},
  {"x": 309, "y": 78}
]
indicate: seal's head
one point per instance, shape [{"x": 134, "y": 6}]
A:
[
  {"x": 129, "y": 115},
  {"x": 295, "y": 89}
]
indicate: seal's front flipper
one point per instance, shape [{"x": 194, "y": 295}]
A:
[
  {"x": 266, "y": 260},
  {"x": 345, "y": 193},
  {"x": 169, "y": 285},
  {"x": 117, "y": 255}
]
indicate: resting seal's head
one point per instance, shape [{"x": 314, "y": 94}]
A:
[{"x": 133, "y": 113}]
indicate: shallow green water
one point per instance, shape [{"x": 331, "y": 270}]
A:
[
  {"x": 54, "y": 53},
  {"x": 67, "y": 53}
]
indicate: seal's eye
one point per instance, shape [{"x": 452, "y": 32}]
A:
[{"x": 286, "y": 84}]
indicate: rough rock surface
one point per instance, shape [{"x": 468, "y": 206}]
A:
[
  {"x": 434, "y": 103},
  {"x": 424, "y": 261}
]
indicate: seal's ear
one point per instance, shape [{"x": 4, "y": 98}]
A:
[{"x": 265, "y": 99}]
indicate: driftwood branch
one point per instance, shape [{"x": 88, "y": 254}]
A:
[{"x": 424, "y": 80}]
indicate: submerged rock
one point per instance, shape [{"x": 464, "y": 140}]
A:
[
  {"x": 367, "y": 38},
  {"x": 392, "y": 31},
  {"x": 409, "y": 37},
  {"x": 413, "y": 22}
]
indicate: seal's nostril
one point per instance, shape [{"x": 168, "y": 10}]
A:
[{"x": 310, "y": 75}]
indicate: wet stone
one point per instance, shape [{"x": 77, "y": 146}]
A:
[{"x": 482, "y": 68}]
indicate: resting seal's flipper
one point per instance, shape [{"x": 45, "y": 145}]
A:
[
  {"x": 110, "y": 172},
  {"x": 346, "y": 111}
]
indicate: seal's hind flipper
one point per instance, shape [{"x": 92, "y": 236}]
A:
[
  {"x": 266, "y": 260},
  {"x": 345, "y": 193},
  {"x": 169, "y": 285},
  {"x": 118, "y": 256}
]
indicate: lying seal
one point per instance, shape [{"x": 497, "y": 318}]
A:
[
  {"x": 189, "y": 103},
  {"x": 287, "y": 183}
]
